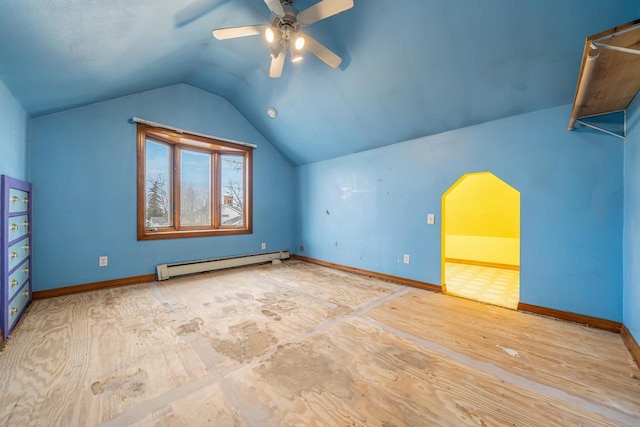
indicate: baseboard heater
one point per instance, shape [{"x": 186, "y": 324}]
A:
[{"x": 166, "y": 271}]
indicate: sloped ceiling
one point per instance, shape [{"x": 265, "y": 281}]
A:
[{"x": 411, "y": 67}]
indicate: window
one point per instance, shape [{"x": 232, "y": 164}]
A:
[{"x": 191, "y": 186}]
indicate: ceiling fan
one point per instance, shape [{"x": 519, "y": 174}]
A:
[{"x": 283, "y": 34}]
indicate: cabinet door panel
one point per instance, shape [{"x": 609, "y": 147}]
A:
[
  {"x": 18, "y": 226},
  {"x": 18, "y": 278},
  {"x": 17, "y": 305},
  {"x": 17, "y": 253},
  {"x": 18, "y": 201}
]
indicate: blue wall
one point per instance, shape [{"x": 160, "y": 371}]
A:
[
  {"x": 14, "y": 125},
  {"x": 631, "y": 294},
  {"x": 366, "y": 210},
  {"x": 83, "y": 167}
]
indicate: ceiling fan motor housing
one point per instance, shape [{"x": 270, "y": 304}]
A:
[{"x": 287, "y": 24}]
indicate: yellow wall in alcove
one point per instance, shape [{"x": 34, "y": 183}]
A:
[{"x": 482, "y": 220}]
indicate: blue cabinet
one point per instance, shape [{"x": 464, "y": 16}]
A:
[{"x": 15, "y": 251}]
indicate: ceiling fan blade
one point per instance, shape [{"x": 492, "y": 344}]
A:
[
  {"x": 277, "y": 64},
  {"x": 195, "y": 10},
  {"x": 235, "y": 32},
  {"x": 322, "y": 10},
  {"x": 322, "y": 52},
  {"x": 275, "y": 7}
]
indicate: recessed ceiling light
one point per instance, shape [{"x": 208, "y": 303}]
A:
[{"x": 272, "y": 112}]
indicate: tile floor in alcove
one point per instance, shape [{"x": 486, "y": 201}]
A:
[{"x": 486, "y": 284}]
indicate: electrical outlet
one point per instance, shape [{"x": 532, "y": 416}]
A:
[
  {"x": 431, "y": 218},
  {"x": 406, "y": 259},
  {"x": 103, "y": 261},
  {"x": 264, "y": 245}
]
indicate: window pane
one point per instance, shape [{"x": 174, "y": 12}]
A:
[
  {"x": 195, "y": 188},
  {"x": 158, "y": 189},
  {"x": 232, "y": 181},
  {"x": 191, "y": 186}
]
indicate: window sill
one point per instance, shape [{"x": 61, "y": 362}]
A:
[{"x": 183, "y": 234}]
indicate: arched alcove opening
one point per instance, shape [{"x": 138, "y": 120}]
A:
[{"x": 481, "y": 240}]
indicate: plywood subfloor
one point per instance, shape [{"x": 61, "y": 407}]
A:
[{"x": 301, "y": 344}]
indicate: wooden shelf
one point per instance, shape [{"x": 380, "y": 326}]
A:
[{"x": 609, "y": 76}]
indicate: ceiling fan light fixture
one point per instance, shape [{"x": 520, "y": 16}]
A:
[
  {"x": 299, "y": 43},
  {"x": 296, "y": 55},
  {"x": 269, "y": 35}
]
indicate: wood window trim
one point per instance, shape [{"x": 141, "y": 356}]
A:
[{"x": 194, "y": 143}]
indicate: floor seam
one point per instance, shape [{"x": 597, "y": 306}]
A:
[
  {"x": 221, "y": 376},
  {"x": 612, "y": 413},
  {"x": 214, "y": 376},
  {"x": 321, "y": 328}
]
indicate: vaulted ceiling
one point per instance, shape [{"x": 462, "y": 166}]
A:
[{"x": 411, "y": 67}]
